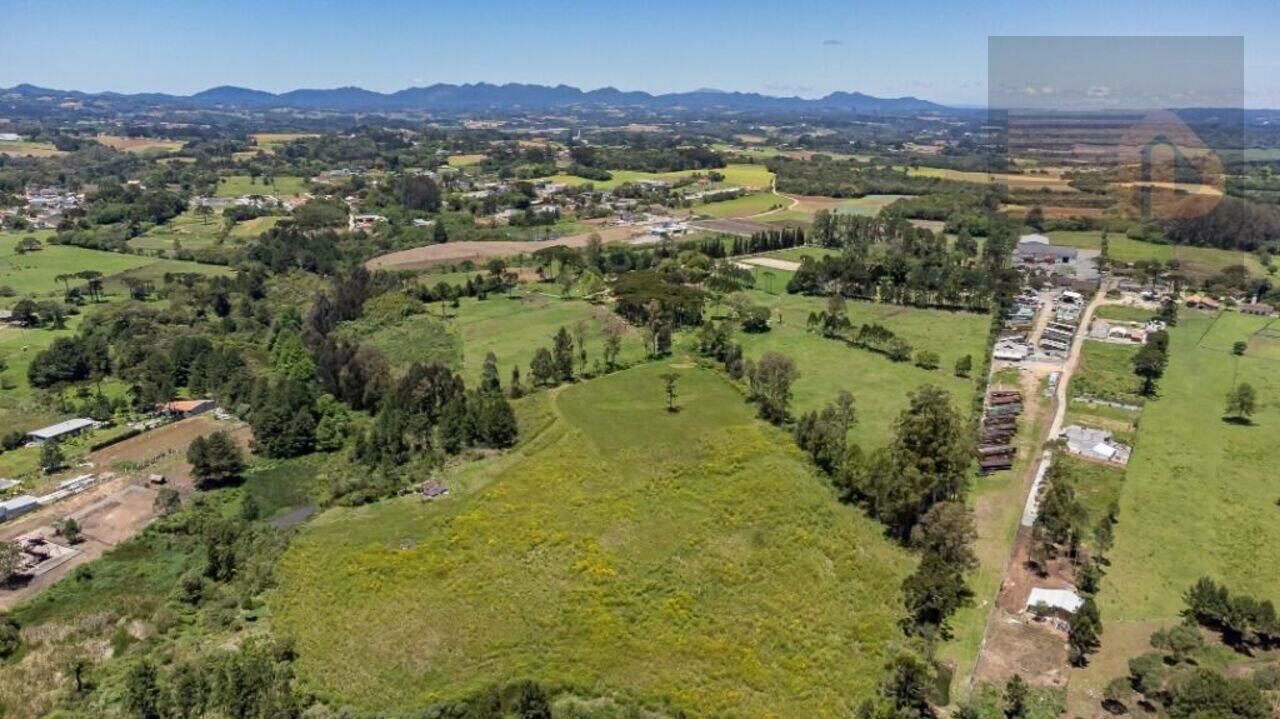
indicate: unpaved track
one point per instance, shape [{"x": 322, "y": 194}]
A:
[{"x": 1013, "y": 587}]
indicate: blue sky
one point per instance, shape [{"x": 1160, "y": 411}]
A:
[{"x": 929, "y": 48}]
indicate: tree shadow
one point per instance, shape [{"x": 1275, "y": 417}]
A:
[{"x": 1238, "y": 421}]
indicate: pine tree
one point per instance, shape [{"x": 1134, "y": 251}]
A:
[{"x": 1086, "y": 628}]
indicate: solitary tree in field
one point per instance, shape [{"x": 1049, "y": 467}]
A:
[
  {"x": 964, "y": 366},
  {"x": 1242, "y": 402},
  {"x": 51, "y": 457},
  {"x": 1238, "y": 348},
  {"x": 669, "y": 380}
]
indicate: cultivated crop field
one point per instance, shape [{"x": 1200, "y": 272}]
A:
[{"x": 692, "y": 557}]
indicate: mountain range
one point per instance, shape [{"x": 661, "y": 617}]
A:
[{"x": 482, "y": 96}]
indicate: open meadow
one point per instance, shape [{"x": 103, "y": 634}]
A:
[
  {"x": 691, "y": 557},
  {"x": 745, "y": 206},
  {"x": 238, "y": 185},
  {"x": 735, "y": 175},
  {"x": 512, "y": 327},
  {"x": 878, "y": 384},
  {"x": 1199, "y": 497},
  {"x": 1197, "y": 262}
]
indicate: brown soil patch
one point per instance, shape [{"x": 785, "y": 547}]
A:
[
  {"x": 138, "y": 144},
  {"x": 1033, "y": 651},
  {"x": 451, "y": 252}
]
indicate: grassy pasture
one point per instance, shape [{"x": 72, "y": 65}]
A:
[
  {"x": 254, "y": 227},
  {"x": 745, "y": 206},
  {"x": 1106, "y": 372},
  {"x": 271, "y": 141},
  {"x": 738, "y": 175},
  {"x": 237, "y": 185},
  {"x": 30, "y": 149},
  {"x": 879, "y": 385},
  {"x": 1053, "y": 183},
  {"x": 139, "y": 145},
  {"x": 32, "y": 274},
  {"x": 691, "y": 558},
  {"x": 1199, "y": 495},
  {"x": 1195, "y": 261},
  {"x": 465, "y": 160},
  {"x": 189, "y": 230},
  {"x": 514, "y": 329}
]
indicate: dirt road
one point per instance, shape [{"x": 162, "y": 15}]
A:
[{"x": 1009, "y": 645}]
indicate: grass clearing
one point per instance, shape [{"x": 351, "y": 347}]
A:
[
  {"x": 187, "y": 231},
  {"x": 735, "y": 175},
  {"x": 30, "y": 149},
  {"x": 691, "y": 558},
  {"x": 1123, "y": 313},
  {"x": 878, "y": 384},
  {"x": 1199, "y": 262},
  {"x": 745, "y": 206},
  {"x": 1106, "y": 372},
  {"x": 140, "y": 145},
  {"x": 466, "y": 160},
  {"x": 1199, "y": 497},
  {"x": 238, "y": 185}
]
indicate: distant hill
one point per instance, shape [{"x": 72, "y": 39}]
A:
[{"x": 486, "y": 96}]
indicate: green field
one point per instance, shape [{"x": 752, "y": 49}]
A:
[
  {"x": 1196, "y": 261},
  {"x": 237, "y": 185},
  {"x": 187, "y": 231},
  {"x": 1106, "y": 372},
  {"x": 737, "y": 175},
  {"x": 512, "y": 327},
  {"x": 879, "y": 385},
  {"x": 688, "y": 558},
  {"x": 745, "y": 206},
  {"x": 34, "y": 274},
  {"x": 1123, "y": 313},
  {"x": 253, "y": 228},
  {"x": 1199, "y": 497},
  {"x": 30, "y": 149}
]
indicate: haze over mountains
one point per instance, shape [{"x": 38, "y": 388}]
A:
[{"x": 486, "y": 96}]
